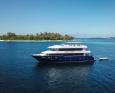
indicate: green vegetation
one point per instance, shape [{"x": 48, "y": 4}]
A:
[{"x": 38, "y": 36}]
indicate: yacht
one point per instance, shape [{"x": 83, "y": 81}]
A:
[{"x": 70, "y": 52}]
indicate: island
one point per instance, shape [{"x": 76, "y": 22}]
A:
[
  {"x": 112, "y": 37},
  {"x": 38, "y": 36}
]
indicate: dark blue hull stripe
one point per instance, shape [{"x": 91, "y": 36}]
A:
[{"x": 61, "y": 59}]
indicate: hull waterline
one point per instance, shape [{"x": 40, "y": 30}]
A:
[{"x": 64, "y": 59}]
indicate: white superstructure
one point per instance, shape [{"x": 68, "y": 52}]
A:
[{"x": 69, "y": 48}]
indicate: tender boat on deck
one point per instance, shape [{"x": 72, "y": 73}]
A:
[{"x": 71, "y": 52}]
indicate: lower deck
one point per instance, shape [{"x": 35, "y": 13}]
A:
[{"x": 64, "y": 59}]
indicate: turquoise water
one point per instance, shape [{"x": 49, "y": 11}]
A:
[{"x": 20, "y": 73}]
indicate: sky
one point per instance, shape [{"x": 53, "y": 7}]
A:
[{"x": 80, "y": 18}]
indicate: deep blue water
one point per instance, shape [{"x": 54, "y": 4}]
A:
[{"x": 20, "y": 73}]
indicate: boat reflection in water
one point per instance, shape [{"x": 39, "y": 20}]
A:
[{"x": 64, "y": 77}]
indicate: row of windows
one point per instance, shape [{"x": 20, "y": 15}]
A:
[
  {"x": 66, "y": 54},
  {"x": 69, "y": 58},
  {"x": 67, "y": 49}
]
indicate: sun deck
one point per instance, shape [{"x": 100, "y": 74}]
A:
[{"x": 67, "y": 46}]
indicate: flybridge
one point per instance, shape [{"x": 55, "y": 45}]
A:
[
  {"x": 68, "y": 46},
  {"x": 74, "y": 42}
]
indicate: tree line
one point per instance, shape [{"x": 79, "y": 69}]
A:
[{"x": 37, "y": 36}]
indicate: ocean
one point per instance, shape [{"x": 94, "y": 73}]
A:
[{"x": 21, "y": 73}]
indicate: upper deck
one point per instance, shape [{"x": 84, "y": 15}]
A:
[
  {"x": 67, "y": 49},
  {"x": 68, "y": 45}
]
